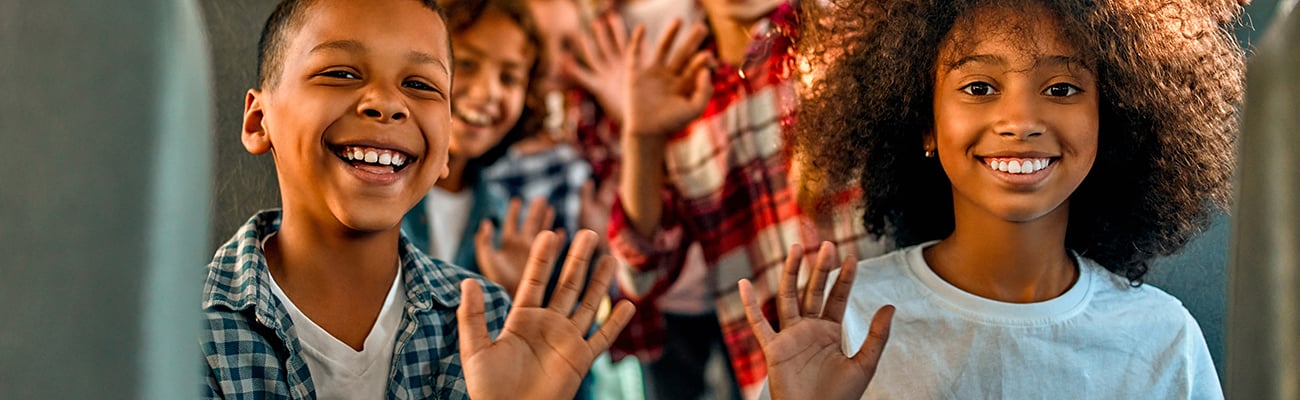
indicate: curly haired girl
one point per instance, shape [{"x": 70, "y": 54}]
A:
[{"x": 1029, "y": 158}]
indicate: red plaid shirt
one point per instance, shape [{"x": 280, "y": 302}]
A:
[{"x": 730, "y": 187}]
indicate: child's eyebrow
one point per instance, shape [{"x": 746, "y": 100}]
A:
[
  {"x": 352, "y": 46},
  {"x": 1055, "y": 60},
  {"x": 426, "y": 58}
]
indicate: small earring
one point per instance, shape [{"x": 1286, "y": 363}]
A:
[{"x": 929, "y": 153}]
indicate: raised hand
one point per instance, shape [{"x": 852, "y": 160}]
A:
[
  {"x": 669, "y": 88},
  {"x": 599, "y": 63},
  {"x": 541, "y": 352},
  {"x": 805, "y": 361},
  {"x": 595, "y": 206},
  {"x": 504, "y": 265}
]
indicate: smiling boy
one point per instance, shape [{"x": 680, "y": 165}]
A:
[{"x": 327, "y": 298}]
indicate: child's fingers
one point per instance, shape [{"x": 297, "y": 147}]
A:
[
  {"x": 541, "y": 258},
  {"x": 816, "y": 287},
  {"x": 617, "y": 30},
  {"x": 787, "y": 292},
  {"x": 511, "y": 224},
  {"x": 688, "y": 48},
  {"x": 536, "y": 218},
  {"x": 548, "y": 218},
  {"x": 869, "y": 356},
  {"x": 585, "y": 78},
  {"x": 470, "y": 321},
  {"x": 595, "y": 293},
  {"x": 703, "y": 87},
  {"x": 604, "y": 43},
  {"x": 600, "y": 341},
  {"x": 839, "y": 297},
  {"x": 666, "y": 41},
  {"x": 483, "y": 242},
  {"x": 754, "y": 314},
  {"x": 633, "y": 52},
  {"x": 583, "y": 51},
  {"x": 574, "y": 273}
]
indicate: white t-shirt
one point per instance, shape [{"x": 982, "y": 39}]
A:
[
  {"x": 448, "y": 214},
  {"x": 1101, "y": 339},
  {"x": 338, "y": 371}
]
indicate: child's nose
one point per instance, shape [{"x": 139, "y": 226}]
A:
[
  {"x": 1019, "y": 116},
  {"x": 382, "y": 105}
]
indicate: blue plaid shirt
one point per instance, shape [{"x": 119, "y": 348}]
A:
[{"x": 251, "y": 350}]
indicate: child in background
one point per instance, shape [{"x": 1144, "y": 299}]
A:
[
  {"x": 707, "y": 160},
  {"x": 1032, "y": 157},
  {"x": 327, "y": 298},
  {"x": 496, "y": 51}
]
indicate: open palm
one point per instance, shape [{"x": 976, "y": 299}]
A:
[
  {"x": 541, "y": 350},
  {"x": 669, "y": 88},
  {"x": 804, "y": 360}
]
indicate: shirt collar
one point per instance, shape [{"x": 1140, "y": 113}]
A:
[{"x": 236, "y": 277}]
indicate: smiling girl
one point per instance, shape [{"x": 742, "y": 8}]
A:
[
  {"x": 1030, "y": 159},
  {"x": 496, "y": 51}
]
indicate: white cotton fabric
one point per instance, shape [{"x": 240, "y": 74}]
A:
[
  {"x": 448, "y": 214},
  {"x": 1102, "y": 339},
  {"x": 338, "y": 371}
]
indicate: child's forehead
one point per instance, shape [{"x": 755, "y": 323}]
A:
[{"x": 371, "y": 24}]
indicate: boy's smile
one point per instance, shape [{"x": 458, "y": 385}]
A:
[
  {"x": 358, "y": 122},
  {"x": 1016, "y": 115}
]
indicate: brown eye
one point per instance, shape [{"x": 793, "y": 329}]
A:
[
  {"x": 1062, "y": 90},
  {"x": 979, "y": 89}
]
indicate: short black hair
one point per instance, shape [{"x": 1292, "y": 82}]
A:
[
  {"x": 1171, "y": 85},
  {"x": 287, "y": 18}
]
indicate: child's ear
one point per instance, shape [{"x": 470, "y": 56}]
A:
[
  {"x": 255, "y": 138},
  {"x": 446, "y": 171}
]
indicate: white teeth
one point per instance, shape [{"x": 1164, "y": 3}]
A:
[
  {"x": 1019, "y": 166},
  {"x": 373, "y": 155}
]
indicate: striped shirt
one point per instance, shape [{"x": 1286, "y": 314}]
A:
[
  {"x": 730, "y": 186},
  {"x": 251, "y": 349}
]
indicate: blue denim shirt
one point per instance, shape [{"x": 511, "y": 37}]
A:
[{"x": 251, "y": 350}]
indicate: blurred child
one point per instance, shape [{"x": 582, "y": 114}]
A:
[
  {"x": 327, "y": 298},
  {"x": 496, "y": 52},
  {"x": 707, "y": 160},
  {"x": 1032, "y": 157}
]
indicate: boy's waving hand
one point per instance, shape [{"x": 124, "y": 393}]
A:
[{"x": 542, "y": 349}]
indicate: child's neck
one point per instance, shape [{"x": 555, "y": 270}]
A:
[
  {"x": 337, "y": 278},
  {"x": 1005, "y": 261},
  {"x": 455, "y": 180},
  {"x": 732, "y": 37}
]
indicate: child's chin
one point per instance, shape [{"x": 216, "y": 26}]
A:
[{"x": 364, "y": 222}]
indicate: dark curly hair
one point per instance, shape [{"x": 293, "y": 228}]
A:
[{"x": 1170, "y": 85}]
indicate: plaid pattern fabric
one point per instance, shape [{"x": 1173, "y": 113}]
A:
[
  {"x": 556, "y": 174},
  {"x": 598, "y": 137},
  {"x": 251, "y": 350},
  {"x": 730, "y": 187}
]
